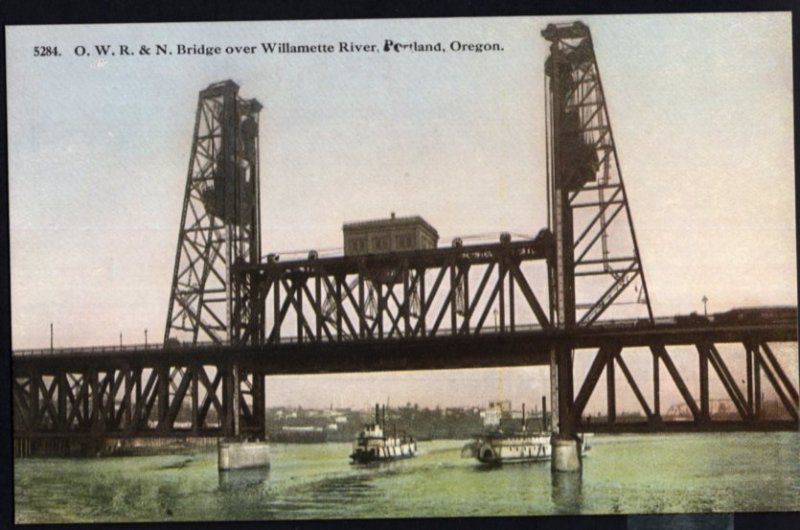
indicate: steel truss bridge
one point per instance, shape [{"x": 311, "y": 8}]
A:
[
  {"x": 235, "y": 318},
  {"x": 426, "y": 316},
  {"x": 139, "y": 391}
]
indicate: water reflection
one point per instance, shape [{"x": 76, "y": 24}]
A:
[
  {"x": 240, "y": 478},
  {"x": 483, "y": 468},
  {"x": 566, "y": 491}
]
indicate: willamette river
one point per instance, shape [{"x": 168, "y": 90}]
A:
[{"x": 623, "y": 474}]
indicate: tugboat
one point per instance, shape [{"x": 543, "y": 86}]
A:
[
  {"x": 498, "y": 447},
  {"x": 372, "y": 445}
]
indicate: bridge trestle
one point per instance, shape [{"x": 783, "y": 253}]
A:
[
  {"x": 191, "y": 391},
  {"x": 151, "y": 399},
  {"x": 737, "y": 372}
]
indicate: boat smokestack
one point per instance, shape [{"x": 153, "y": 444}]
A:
[
  {"x": 523, "y": 416},
  {"x": 544, "y": 413},
  {"x": 377, "y": 414}
]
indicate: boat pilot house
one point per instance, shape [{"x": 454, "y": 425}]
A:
[{"x": 396, "y": 234}]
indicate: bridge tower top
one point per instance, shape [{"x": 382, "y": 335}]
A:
[{"x": 597, "y": 267}]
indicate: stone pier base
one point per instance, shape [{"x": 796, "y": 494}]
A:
[
  {"x": 242, "y": 455},
  {"x": 566, "y": 454}
]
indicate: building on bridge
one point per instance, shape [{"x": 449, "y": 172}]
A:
[{"x": 395, "y": 234}]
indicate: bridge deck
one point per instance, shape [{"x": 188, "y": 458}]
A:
[
  {"x": 194, "y": 390},
  {"x": 524, "y": 347}
]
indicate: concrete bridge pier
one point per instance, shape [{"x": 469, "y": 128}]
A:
[
  {"x": 565, "y": 455},
  {"x": 238, "y": 453}
]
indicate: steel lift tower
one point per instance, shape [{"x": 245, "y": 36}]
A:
[
  {"x": 597, "y": 258},
  {"x": 220, "y": 223},
  {"x": 220, "y": 228}
]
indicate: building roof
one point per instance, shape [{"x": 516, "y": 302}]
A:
[{"x": 392, "y": 221}]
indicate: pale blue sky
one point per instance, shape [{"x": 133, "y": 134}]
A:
[{"x": 700, "y": 105}]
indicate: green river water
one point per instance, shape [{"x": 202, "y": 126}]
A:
[{"x": 623, "y": 474}]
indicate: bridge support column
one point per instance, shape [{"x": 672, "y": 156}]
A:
[
  {"x": 231, "y": 406},
  {"x": 565, "y": 447},
  {"x": 566, "y": 455},
  {"x": 259, "y": 406},
  {"x": 237, "y": 407},
  {"x": 240, "y": 453}
]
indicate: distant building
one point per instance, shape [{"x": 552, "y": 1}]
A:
[
  {"x": 503, "y": 406},
  {"x": 395, "y": 234},
  {"x": 491, "y": 418},
  {"x": 496, "y": 411}
]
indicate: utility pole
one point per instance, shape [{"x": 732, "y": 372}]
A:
[
  {"x": 145, "y": 337},
  {"x": 51, "y": 337}
]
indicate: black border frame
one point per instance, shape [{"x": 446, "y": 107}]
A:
[{"x": 37, "y": 12}]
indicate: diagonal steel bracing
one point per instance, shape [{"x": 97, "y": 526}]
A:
[
  {"x": 120, "y": 401},
  {"x": 748, "y": 411},
  {"x": 457, "y": 291}
]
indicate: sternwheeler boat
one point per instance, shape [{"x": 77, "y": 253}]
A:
[
  {"x": 373, "y": 445},
  {"x": 501, "y": 447}
]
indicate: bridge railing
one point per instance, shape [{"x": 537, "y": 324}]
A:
[
  {"x": 627, "y": 323},
  {"x": 445, "y": 332},
  {"x": 85, "y": 349}
]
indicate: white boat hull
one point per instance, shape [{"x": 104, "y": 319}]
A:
[
  {"x": 373, "y": 446},
  {"x": 384, "y": 453},
  {"x": 511, "y": 449},
  {"x": 514, "y": 450}
]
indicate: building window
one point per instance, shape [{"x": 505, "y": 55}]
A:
[
  {"x": 380, "y": 243},
  {"x": 404, "y": 241},
  {"x": 355, "y": 245}
]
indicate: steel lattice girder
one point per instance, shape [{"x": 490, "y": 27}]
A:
[
  {"x": 407, "y": 294},
  {"x": 755, "y": 350},
  {"x": 80, "y": 388},
  {"x": 114, "y": 399}
]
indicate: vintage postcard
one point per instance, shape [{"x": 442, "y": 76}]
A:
[{"x": 454, "y": 267}]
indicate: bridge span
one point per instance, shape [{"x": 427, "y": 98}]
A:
[{"x": 139, "y": 391}]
